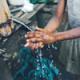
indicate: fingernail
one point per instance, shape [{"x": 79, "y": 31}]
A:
[
  {"x": 42, "y": 46},
  {"x": 25, "y": 36},
  {"x": 27, "y": 40},
  {"x": 26, "y": 45}
]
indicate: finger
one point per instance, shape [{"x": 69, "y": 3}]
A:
[
  {"x": 34, "y": 40},
  {"x": 30, "y": 35},
  {"x": 30, "y": 45},
  {"x": 33, "y": 34},
  {"x": 37, "y": 45},
  {"x": 33, "y": 46},
  {"x": 39, "y": 29},
  {"x": 41, "y": 45},
  {"x": 38, "y": 34},
  {"x": 26, "y": 45}
]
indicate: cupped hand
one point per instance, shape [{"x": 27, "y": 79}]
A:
[{"x": 38, "y": 39}]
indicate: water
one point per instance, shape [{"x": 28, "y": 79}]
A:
[{"x": 35, "y": 66}]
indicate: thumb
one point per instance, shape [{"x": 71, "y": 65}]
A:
[{"x": 39, "y": 29}]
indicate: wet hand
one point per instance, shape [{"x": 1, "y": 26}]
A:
[{"x": 39, "y": 39}]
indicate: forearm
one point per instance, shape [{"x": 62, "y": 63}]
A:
[
  {"x": 67, "y": 35},
  {"x": 53, "y": 24}
]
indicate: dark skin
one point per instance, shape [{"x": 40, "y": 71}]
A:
[{"x": 44, "y": 36}]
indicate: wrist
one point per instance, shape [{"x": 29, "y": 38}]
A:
[{"x": 60, "y": 36}]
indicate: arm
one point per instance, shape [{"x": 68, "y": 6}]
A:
[
  {"x": 47, "y": 38},
  {"x": 54, "y": 23},
  {"x": 67, "y": 35}
]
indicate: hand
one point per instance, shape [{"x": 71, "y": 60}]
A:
[
  {"x": 34, "y": 46},
  {"x": 39, "y": 39},
  {"x": 31, "y": 34}
]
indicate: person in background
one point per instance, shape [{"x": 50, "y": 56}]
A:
[
  {"x": 6, "y": 27},
  {"x": 70, "y": 50},
  {"x": 6, "y": 24}
]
